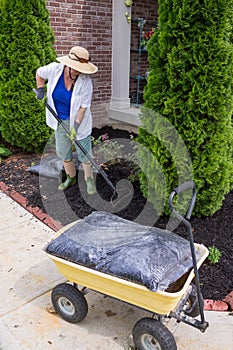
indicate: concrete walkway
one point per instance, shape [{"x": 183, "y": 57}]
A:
[{"x": 27, "y": 277}]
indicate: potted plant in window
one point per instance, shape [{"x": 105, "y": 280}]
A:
[{"x": 146, "y": 36}]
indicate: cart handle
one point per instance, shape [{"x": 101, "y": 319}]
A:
[{"x": 187, "y": 185}]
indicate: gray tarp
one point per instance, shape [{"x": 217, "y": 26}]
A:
[
  {"x": 147, "y": 255},
  {"x": 51, "y": 166}
]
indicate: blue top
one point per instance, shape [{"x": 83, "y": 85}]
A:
[{"x": 62, "y": 98}]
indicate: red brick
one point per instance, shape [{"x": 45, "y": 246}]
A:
[
  {"x": 229, "y": 300},
  {"x": 3, "y": 187},
  {"x": 215, "y": 305}
]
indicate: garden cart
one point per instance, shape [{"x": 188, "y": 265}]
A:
[{"x": 184, "y": 303}]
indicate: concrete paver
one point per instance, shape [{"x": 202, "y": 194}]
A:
[
  {"x": 218, "y": 336},
  {"x": 26, "y": 273},
  {"x": 27, "y": 277}
]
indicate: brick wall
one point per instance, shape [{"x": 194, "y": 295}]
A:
[{"x": 89, "y": 24}]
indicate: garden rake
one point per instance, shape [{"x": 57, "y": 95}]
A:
[{"x": 117, "y": 196}]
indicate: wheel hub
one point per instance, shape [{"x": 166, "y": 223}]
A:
[
  {"x": 66, "y": 306},
  {"x": 150, "y": 343}
]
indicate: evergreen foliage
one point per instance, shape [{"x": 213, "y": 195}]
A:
[
  {"x": 189, "y": 92},
  {"x": 26, "y": 43}
]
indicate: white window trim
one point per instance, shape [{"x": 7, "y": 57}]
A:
[{"x": 120, "y": 109}]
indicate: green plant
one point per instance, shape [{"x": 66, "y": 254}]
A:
[
  {"x": 190, "y": 86},
  {"x": 135, "y": 173},
  {"x": 107, "y": 150},
  {"x": 4, "y": 152},
  {"x": 214, "y": 255},
  {"x": 26, "y": 43},
  {"x": 134, "y": 162}
]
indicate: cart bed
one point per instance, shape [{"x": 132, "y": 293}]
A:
[{"x": 160, "y": 302}]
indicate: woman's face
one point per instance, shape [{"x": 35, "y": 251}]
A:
[{"x": 74, "y": 73}]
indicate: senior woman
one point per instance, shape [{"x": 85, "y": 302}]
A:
[{"x": 69, "y": 93}]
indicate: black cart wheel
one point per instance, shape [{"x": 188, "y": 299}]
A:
[
  {"x": 192, "y": 308},
  {"x": 69, "y": 303},
  {"x": 150, "y": 334}
]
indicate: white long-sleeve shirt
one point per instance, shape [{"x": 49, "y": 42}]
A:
[{"x": 81, "y": 97}]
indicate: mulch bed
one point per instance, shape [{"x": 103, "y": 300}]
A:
[{"x": 217, "y": 230}]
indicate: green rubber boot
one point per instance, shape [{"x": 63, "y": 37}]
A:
[
  {"x": 70, "y": 181},
  {"x": 91, "y": 189}
]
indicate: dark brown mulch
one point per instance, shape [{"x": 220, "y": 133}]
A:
[{"x": 217, "y": 230}]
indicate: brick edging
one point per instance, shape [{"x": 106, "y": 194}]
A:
[{"x": 36, "y": 211}]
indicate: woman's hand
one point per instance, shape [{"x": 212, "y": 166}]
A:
[
  {"x": 76, "y": 126},
  {"x": 39, "y": 93}
]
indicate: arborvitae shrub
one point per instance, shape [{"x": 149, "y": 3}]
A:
[
  {"x": 26, "y": 42},
  {"x": 189, "y": 90}
]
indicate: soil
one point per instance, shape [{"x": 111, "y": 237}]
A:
[{"x": 216, "y": 230}]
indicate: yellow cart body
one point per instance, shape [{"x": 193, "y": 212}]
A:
[{"x": 160, "y": 302}]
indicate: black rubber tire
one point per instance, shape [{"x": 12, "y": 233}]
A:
[
  {"x": 69, "y": 303},
  {"x": 192, "y": 306},
  {"x": 150, "y": 334}
]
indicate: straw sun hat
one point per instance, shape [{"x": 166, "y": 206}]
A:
[{"x": 79, "y": 60}]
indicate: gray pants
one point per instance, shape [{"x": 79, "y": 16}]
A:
[{"x": 64, "y": 145}]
